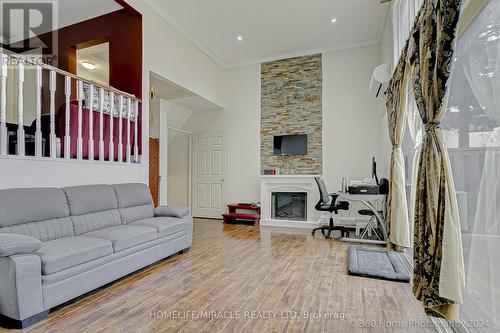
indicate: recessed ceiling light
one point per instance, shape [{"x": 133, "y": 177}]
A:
[
  {"x": 333, "y": 20},
  {"x": 88, "y": 65},
  {"x": 239, "y": 38}
]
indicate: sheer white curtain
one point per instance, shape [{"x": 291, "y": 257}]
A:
[
  {"x": 475, "y": 117},
  {"x": 415, "y": 130},
  {"x": 482, "y": 70}
]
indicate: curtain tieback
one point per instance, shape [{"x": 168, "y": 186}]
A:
[{"x": 432, "y": 126}]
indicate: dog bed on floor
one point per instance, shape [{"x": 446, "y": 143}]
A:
[{"x": 377, "y": 263}]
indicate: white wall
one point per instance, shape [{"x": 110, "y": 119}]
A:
[
  {"x": 351, "y": 122},
  {"x": 171, "y": 55},
  {"x": 59, "y": 173},
  {"x": 353, "y": 125},
  {"x": 154, "y": 118},
  {"x": 240, "y": 120},
  {"x": 351, "y": 117},
  {"x": 178, "y": 170},
  {"x": 387, "y": 57},
  {"x": 178, "y": 116},
  {"x": 167, "y": 53},
  {"x": 178, "y": 167}
]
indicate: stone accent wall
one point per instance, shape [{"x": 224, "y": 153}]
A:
[{"x": 292, "y": 104}]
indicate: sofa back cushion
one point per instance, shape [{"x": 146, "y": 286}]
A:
[
  {"x": 42, "y": 213},
  {"x": 134, "y": 202},
  {"x": 92, "y": 207}
]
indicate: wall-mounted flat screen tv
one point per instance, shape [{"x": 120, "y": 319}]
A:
[{"x": 290, "y": 145}]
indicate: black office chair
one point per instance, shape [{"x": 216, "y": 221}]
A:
[{"x": 329, "y": 203}]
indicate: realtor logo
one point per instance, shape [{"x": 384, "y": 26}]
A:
[{"x": 30, "y": 28}]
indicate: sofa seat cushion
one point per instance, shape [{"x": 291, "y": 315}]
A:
[
  {"x": 57, "y": 255},
  {"x": 165, "y": 226},
  {"x": 167, "y": 245},
  {"x": 125, "y": 236}
]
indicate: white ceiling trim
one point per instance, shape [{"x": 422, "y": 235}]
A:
[
  {"x": 71, "y": 12},
  {"x": 178, "y": 27},
  {"x": 304, "y": 53},
  {"x": 163, "y": 14}
]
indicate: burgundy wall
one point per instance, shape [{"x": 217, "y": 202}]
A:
[{"x": 123, "y": 30}]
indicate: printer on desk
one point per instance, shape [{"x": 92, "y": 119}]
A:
[
  {"x": 364, "y": 189},
  {"x": 370, "y": 186},
  {"x": 360, "y": 188}
]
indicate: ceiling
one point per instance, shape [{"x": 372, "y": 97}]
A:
[
  {"x": 70, "y": 12},
  {"x": 273, "y": 29},
  {"x": 168, "y": 90},
  {"x": 74, "y": 11}
]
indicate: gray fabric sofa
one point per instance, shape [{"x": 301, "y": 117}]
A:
[{"x": 57, "y": 244}]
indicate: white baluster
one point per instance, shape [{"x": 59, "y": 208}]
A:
[
  {"x": 129, "y": 112},
  {"x": 4, "y": 141},
  {"x": 20, "y": 111},
  {"x": 52, "y": 88},
  {"x": 79, "y": 148},
  {"x": 91, "y": 122},
  {"x": 136, "y": 143},
  {"x": 120, "y": 131},
  {"x": 38, "y": 132},
  {"x": 67, "y": 135},
  {"x": 101, "y": 124},
  {"x": 111, "y": 127}
]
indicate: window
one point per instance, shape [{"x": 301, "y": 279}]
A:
[
  {"x": 404, "y": 12},
  {"x": 472, "y": 126},
  {"x": 472, "y": 132},
  {"x": 411, "y": 148}
]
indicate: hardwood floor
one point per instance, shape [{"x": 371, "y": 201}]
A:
[{"x": 232, "y": 281}]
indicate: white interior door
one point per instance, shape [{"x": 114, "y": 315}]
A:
[{"x": 209, "y": 175}]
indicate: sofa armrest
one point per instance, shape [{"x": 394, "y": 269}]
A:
[
  {"x": 21, "y": 287},
  {"x": 12, "y": 244},
  {"x": 171, "y": 211}
]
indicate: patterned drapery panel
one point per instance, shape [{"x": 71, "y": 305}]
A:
[{"x": 438, "y": 258}]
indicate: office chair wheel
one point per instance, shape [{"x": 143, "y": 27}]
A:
[
  {"x": 313, "y": 233},
  {"x": 328, "y": 235}
]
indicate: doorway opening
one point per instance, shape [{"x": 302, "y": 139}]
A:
[
  {"x": 178, "y": 120},
  {"x": 93, "y": 63},
  {"x": 179, "y": 165}
]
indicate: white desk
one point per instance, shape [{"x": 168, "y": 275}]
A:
[{"x": 367, "y": 200}]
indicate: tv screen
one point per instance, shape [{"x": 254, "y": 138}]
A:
[{"x": 290, "y": 145}]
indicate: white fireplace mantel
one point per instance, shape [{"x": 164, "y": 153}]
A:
[{"x": 293, "y": 184}]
